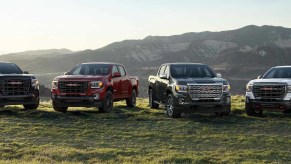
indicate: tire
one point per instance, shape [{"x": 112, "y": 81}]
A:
[
  {"x": 58, "y": 108},
  {"x": 107, "y": 105},
  {"x": 152, "y": 99},
  {"x": 131, "y": 101},
  {"x": 171, "y": 108},
  {"x": 251, "y": 111},
  {"x": 32, "y": 106},
  {"x": 226, "y": 113}
]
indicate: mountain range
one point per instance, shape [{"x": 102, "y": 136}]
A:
[{"x": 240, "y": 55}]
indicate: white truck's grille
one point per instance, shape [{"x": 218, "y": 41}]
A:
[{"x": 269, "y": 91}]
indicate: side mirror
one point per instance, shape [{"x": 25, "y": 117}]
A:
[
  {"x": 25, "y": 72},
  {"x": 259, "y": 77},
  {"x": 116, "y": 74},
  {"x": 163, "y": 76},
  {"x": 66, "y": 73},
  {"x": 218, "y": 75}
]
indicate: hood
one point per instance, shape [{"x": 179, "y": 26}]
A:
[
  {"x": 79, "y": 77},
  {"x": 271, "y": 81},
  {"x": 17, "y": 75},
  {"x": 185, "y": 81}
]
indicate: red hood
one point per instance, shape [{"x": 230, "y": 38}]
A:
[{"x": 80, "y": 78}]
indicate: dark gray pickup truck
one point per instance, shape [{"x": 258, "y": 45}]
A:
[
  {"x": 18, "y": 87},
  {"x": 189, "y": 87}
]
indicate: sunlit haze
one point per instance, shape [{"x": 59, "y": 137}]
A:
[{"x": 91, "y": 24}]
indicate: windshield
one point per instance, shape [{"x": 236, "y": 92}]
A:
[
  {"x": 284, "y": 72},
  {"x": 9, "y": 68},
  {"x": 191, "y": 70},
  {"x": 90, "y": 69}
]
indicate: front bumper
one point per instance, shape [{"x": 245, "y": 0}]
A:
[
  {"x": 20, "y": 99},
  {"x": 278, "y": 106},
  {"x": 185, "y": 104},
  {"x": 84, "y": 101},
  {"x": 275, "y": 106}
]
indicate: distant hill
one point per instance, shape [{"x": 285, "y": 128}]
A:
[
  {"x": 35, "y": 54},
  {"x": 240, "y": 54}
]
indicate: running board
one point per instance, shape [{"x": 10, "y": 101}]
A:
[{"x": 160, "y": 103}]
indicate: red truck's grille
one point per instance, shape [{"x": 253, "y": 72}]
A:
[
  {"x": 73, "y": 86},
  {"x": 13, "y": 87}
]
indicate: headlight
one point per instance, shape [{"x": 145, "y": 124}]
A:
[
  {"x": 96, "y": 84},
  {"x": 55, "y": 85},
  {"x": 34, "y": 82},
  {"x": 226, "y": 88},
  {"x": 181, "y": 88},
  {"x": 249, "y": 88}
]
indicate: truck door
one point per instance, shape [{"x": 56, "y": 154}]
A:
[
  {"x": 164, "y": 84},
  {"x": 125, "y": 83},
  {"x": 116, "y": 83},
  {"x": 159, "y": 84}
]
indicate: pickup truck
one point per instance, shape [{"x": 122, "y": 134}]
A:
[
  {"x": 189, "y": 87},
  {"x": 270, "y": 92},
  {"x": 94, "y": 85},
  {"x": 18, "y": 87}
]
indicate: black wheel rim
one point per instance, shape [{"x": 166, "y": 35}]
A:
[{"x": 170, "y": 107}]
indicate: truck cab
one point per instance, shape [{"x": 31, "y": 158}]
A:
[
  {"x": 18, "y": 87},
  {"x": 270, "y": 92},
  {"x": 94, "y": 84},
  {"x": 188, "y": 87}
]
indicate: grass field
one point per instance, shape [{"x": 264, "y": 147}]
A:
[{"x": 142, "y": 135}]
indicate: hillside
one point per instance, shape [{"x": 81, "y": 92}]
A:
[
  {"x": 240, "y": 55},
  {"x": 141, "y": 135}
]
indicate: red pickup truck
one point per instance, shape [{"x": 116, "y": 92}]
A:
[{"x": 94, "y": 85}]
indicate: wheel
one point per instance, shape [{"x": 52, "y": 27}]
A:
[
  {"x": 32, "y": 106},
  {"x": 58, "y": 108},
  {"x": 152, "y": 99},
  {"x": 227, "y": 112},
  {"x": 171, "y": 108},
  {"x": 251, "y": 111},
  {"x": 107, "y": 105},
  {"x": 131, "y": 101}
]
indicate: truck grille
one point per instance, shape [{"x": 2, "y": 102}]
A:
[
  {"x": 269, "y": 91},
  {"x": 14, "y": 87},
  {"x": 73, "y": 86},
  {"x": 205, "y": 91}
]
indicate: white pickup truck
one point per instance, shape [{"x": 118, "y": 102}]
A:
[{"x": 270, "y": 92}]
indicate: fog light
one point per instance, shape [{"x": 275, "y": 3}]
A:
[
  {"x": 228, "y": 100},
  {"x": 53, "y": 96},
  {"x": 96, "y": 96},
  {"x": 181, "y": 101}
]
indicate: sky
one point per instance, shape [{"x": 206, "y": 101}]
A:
[{"x": 91, "y": 24}]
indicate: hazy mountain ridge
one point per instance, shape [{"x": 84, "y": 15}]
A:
[{"x": 32, "y": 54}]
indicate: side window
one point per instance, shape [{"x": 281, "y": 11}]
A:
[
  {"x": 86, "y": 70},
  {"x": 121, "y": 70},
  {"x": 167, "y": 71},
  {"x": 162, "y": 70},
  {"x": 114, "y": 69},
  {"x": 77, "y": 71}
]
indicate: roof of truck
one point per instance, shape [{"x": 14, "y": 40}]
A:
[
  {"x": 184, "y": 63},
  {"x": 101, "y": 63}
]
